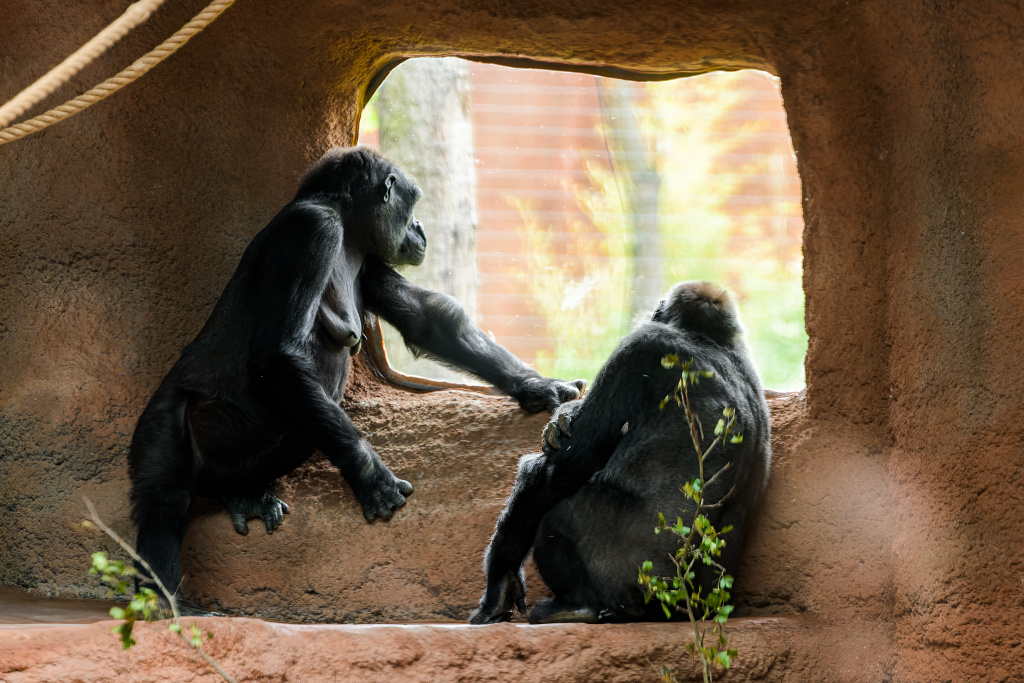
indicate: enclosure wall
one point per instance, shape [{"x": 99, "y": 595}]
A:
[{"x": 894, "y": 504}]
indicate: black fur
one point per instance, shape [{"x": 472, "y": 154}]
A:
[
  {"x": 612, "y": 461},
  {"x": 257, "y": 391}
]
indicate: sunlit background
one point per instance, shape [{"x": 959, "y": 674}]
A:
[{"x": 559, "y": 207}]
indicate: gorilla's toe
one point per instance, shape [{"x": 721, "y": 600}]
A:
[{"x": 485, "y": 615}]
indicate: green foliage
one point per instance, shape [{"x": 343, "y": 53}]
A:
[
  {"x": 701, "y": 542},
  {"x": 143, "y": 605}
]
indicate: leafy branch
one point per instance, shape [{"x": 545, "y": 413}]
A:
[
  {"x": 701, "y": 541},
  {"x": 144, "y": 603}
]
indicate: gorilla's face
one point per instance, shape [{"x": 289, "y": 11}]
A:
[
  {"x": 413, "y": 249},
  {"x": 403, "y": 241}
]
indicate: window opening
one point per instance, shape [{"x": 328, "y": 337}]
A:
[{"x": 559, "y": 206}]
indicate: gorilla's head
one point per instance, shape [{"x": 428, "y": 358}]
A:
[
  {"x": 703, "y": 307},
  {"x": 376, "y": 201}
]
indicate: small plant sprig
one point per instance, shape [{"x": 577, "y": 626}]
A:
[
  {"x": 701, "y": 541},
  {"x": 145, "y": 603}
]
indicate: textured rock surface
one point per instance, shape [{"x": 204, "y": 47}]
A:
[
  {"x": 895, "y": 499},
  {"x": 786, "y": 648}
]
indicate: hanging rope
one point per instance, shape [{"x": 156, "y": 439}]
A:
[
  {"x": 62, "y": 73},
  {"x": 112, "y": 84}
]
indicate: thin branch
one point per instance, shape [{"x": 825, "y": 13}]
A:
[
  {"x": 134, "y": 555},
  {"x": 156, "y": 579},
  {"x": 712, "y": 480},
  {"x": 714, "y": 443},
  {"x": 209, "y": 660},
  {"x": 721, "y": 500}
]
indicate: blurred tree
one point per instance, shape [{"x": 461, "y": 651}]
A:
[
  {"x": 632, "y": 161},
  {"x": 423, "y": 114}
]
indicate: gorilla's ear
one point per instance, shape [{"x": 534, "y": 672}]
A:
[{"x": 388, "y": 182}]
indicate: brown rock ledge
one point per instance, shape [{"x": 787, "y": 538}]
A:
[{"x": 772, "y": 649}]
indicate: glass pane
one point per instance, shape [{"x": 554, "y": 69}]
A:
[{"x": 559, "y": 207}]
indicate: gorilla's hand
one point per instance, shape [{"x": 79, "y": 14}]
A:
[
  {"x": 500, "y": 598},
  {"x": 379, "y": 491},
  {"x": 542, "y": 393},
  {"x": 558, "y": 432}
]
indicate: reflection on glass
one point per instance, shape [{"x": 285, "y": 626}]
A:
[{"x": 559, "y": 206}]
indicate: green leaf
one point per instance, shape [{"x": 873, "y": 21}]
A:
[
  {"x": 116, "y": 613},
  {"x": 664, "y": 608},
  {"x": 99, "y": 561},
  {"x": 664, "y": 401},
  {"x": 669, "y": 361},
  {"x": 724, "y": 659},
  {"x": 738, "y": 438}
]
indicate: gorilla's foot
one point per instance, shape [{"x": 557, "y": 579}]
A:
[
  {"x": 265, "y": 506},
  {"x": 499, "y": 601},
  {"x": 554, "y": 612},
  {"x": 188, "y": 609}
]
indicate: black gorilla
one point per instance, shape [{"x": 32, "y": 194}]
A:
[
  {"x": 612, "y": 461},
  {"x": 257, "y": 391}
]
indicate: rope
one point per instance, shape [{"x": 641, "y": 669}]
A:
[
  {"x": 115, "y": 83},
  {"x": 62, "y": 73}
]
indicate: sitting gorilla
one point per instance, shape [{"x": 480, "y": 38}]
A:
[
  {"x": 257, "y": 392},
  {"x": 613, "y": 460}
]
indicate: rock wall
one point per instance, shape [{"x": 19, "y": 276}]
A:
[{"x": 892, "y": 514}]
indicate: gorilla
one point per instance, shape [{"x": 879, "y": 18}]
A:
[
  {"x": 257, "y": 391},
  {"x": 613, "y": 460}
]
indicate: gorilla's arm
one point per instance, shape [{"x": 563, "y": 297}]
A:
[
  {"x": 578, "y": 442},
  {"x": 435, "y": 324},
  {"x": 292, "y": 265}
]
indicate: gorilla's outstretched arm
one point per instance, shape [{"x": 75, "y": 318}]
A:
[{"x": 435, "y": 324}]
